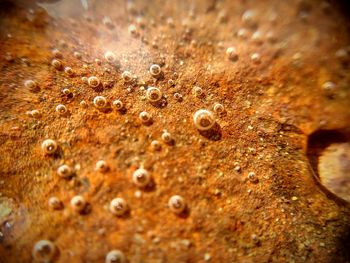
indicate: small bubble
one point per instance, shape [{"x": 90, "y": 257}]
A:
[
  {"x": 35, "y": 114},
  {"x": 231, "y": 53},
  {"x": 57, "y": 64},
  {"x": 219, "y": 108},
  {"x": 207, "y": 257},
  {"x": 252, "y": 177},
  {"x": 30, "y": 84},
  {"x": 140, "y": 21},
  {"x": 145, "y": 117},
  {"x": 66, "y": 91},
  {"x": 141, "y": 177},
  {"x": 198, "y": 91},
  {"x": 115, "y": 256},
  {"x": 155, "y": 145},
  {"x": 64, "y": 171},
  {"x": 257, "y": 37},
  {"x": 249, "y": 18},
  {"x": 108, "y": 22},
  {"x": 167, "y": 138},
  {"x": 101, "y": 166},
  {"x": 132, "y": 30},
  {"x": 155, "y": 70},
  {"x": 55, "y": 203},
  {"x": 93, "y": 82},
  {"x": 222, "y": 16},
  {"x": 118, "y": 105},
  {"x": 57, "y": 54},
  {"x": 256, "y": 58},
  {"x": 203, "y": 120},
  {"x": 177, "y": 204},
  {"x": 178, "y": 96},
  {"x": 49, "y": 146},
  {"x": 271, "y": 37},
  {"x": 242, "y": 33},
  {"x": 170, "y": 21},
  {"x": 171, "y": 82},
  {"x": 61, "y": 109},
  {"x": 127, "y": 76},
  {"x": 110, "y": 57},
  {"x": 44, "y": 251},
  {"x": 63, "y": 43},
  {"x": 83, "y": 104},
  {"x": 100, "y": 102},
  {"x": 118, "y": 206},
  {"x": 153, "y": 94},
  {"x": 342, "y": 53},
  {"x": 78, "y": 203},
  {"x": 98, "y": 61},
  {"x": 77, "y": 55},
  {"x": 329, "y": 86}
]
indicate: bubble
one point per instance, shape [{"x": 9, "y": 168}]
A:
[
  {"x": 252, "y": 177},
  {"x": 203, "y": 120},
  {"x": 49, "y": 146},
  {"x": 93, "y": 82},
  {"x": 178, "y": 96},
  {"x": 249, "y": 18},
  {"x": 256, "y": 58},
  {"x": 35, "y": 114},
  {"x": 100, "y": 102},
  {"x": 83, "y": 104},
  {"x": 69, "y": 71},
  {"x": 57, "y": 64},
  {"x": 110, "y": 57},
  {"x": 56, "y": 53},
  {"x": 64, "y": 171},
  {"x": 177, "y": 204},
  {"x": 219, "y": 108},
  {"x": 242, "y": 33},
  {"x": 66, "y": 91},
  {"x": 55, "y": 203},
  {"x": 141, "y": 177},
  {"x": 145, "y": 117},
  {"x": 127, "y": 76},
  {"x": 118, "y": 105},
  {"x": 155, "y": 70},
  {"x": 77, "y": 55},
  {"x": 132, "y": 30},
  {"x": 44, "y": 251},
  {"x": 115, "y": 256},
  {"x": 30, "y": 84},
  {"x": 78, "y": 203},
  {"x": 118, "y": 206},
  {"x": 101, "y": 166},
  {"x": 198, "y": 91},
  {"x": 257, "y": 37},
  {"x": 153, "y": 94},
  {"x": 231, "y": 53},
  {"x": 61, "y": 109},
  {"x": 167, "y": 138},
  {"x": 155, "y": 145}
]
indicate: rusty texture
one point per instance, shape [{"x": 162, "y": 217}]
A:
[{"x": 272, "y": 106}]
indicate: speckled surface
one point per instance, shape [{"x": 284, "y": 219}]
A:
[{"x": 271, "y": 108}]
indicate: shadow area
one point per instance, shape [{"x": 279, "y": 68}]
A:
[{"x": 214, "y": 134}]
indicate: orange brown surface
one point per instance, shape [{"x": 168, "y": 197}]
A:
[{"x": 272, "y": 106}]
